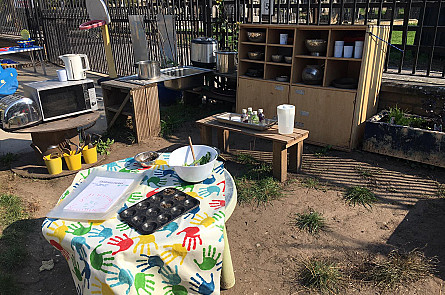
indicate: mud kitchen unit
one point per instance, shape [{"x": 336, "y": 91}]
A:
[
  {"x": 138, "y": 98},
  {"x": 334, "y": 114}
]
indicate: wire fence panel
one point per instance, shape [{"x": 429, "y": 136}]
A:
[{"x": 417, "y": 26}]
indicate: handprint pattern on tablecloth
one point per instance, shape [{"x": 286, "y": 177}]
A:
[
  {"x": 150, "y": 262},
  {"x": 103, "y": 233},
  {"x": 202, "y": 286},
  {"x": 209, "y": 261},
  {"x": 156, "y": 271},
  {"x": 191, "y": 236},
  {"x": 145, "y": 241},
  {"x": 60, "y": 248},
  {"x": 123, "y": 277},
  {"x": 144, "y": 284},
  {"x": 177, "y": 250},
  {"x": 122, "y": 242}
]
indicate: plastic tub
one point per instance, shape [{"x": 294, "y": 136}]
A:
[
  {"x": 54, "y": 165},
  {"x": 89, "y": 155},
  {"x": 73, "y": 161},
  {"x": 286, "y": 115}
]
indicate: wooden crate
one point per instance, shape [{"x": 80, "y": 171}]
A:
[{"x": 138, "y": 101}]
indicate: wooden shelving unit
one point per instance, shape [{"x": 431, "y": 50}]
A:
[{"x": 333, "y": 116}]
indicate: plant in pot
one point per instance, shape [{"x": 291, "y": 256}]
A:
[{"x": 396, "y": 133}]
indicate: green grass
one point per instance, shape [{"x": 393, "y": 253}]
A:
[
  {"x": 365, "y": 172},
  {"x": 11, "y": 209},
  {"x": 322, "y": 276},
  {"x": 323, "y": 151},
  {"x": 13, "y": 253},
  {"x": 399, "y": 269},
  {"x": 312, "y": 183},
  {"x": 358, "y": 195},
  {"x": 312, "y": 222},
  {"x": 8, "y": 158},
  {"x": 396, "y": 37}
]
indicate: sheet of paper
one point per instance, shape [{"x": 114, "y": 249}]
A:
[{"x": 99, "y": 195}]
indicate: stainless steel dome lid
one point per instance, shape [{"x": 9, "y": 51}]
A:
[{"x": 17, "y": 112}]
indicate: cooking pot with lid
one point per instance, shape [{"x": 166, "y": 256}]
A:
[
  {"x": 226, "y": 61},
  {"x": 203, "y": 52},
  {"x": 148, "y": 69}
]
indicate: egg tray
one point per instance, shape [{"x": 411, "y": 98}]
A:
[{"x": 153, "y": 213}]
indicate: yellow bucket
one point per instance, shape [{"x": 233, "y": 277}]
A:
[
  {"x": 89, "y": 155},
  {"x": 54, "y": 165},
  {"x": 73, "y": 161}
]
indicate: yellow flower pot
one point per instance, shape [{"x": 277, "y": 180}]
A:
[
  {"x": 54, "y": 165},
  {"x": 73, "y": 161},
  {"x": 89, "y": 155}
]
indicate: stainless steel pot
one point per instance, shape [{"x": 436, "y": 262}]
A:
[
  {"x": 148, "y": 69},
  {"x": 17, "y": 112},
  {"x": 203, "y": 52},
  {"x": 226, "y": 61}
]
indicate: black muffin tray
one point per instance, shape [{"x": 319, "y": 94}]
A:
[{"x": 153, "y": 213}]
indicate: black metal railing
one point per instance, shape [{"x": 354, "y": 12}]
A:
[{"x": 417, "y": 26}]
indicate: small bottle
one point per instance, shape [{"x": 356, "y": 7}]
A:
[
  {"x": 255, "y": 119},
  {"x": 249, "y": 115},
  {"x": 261, "y": 116},
  {"x": 244, "y": 117}
]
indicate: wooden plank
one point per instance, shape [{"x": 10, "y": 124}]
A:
[
  {"x": 116, "y": 115},
  {"x": 279, "y": 161},
  {"x": 270, "y": 134},
  {"x": 206, "y": 135},
  {"x": 296, "y": 157},
  {"x": 153, "y": 109},
  {"x": 223, "y": 139},
  {"x": 119, "y": 84}
]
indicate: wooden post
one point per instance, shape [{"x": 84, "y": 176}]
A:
[
  {"x": 296, "y": 157},
  {"x": 279, "y": 161},
  {"x": 108, "y": 52},
  {"x": 206, "y": 135},
  {"x": 223, "y": 140}
]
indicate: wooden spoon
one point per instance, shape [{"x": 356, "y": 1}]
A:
[{"x": 193, "y": 152}]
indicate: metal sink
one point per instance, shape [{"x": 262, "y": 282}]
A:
[{"x": 183, "y": 78}]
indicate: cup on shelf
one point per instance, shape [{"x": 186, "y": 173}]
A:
[
  {"x": 338, "y": 48},
  {"x": 358, "y": 49},
  {"x": 283, "y": 39},
  {"x": 61, "y": 74},
  {"x": 347, "y": 51},
  {"x": 286, "y": 115}
]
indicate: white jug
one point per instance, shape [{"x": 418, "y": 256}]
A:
[{"x": 74, "y": 67}]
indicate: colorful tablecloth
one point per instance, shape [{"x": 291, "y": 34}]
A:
[{"x": 184, "y": 257}]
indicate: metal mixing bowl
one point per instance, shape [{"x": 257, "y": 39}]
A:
[
  {"x": 146, "y": 159},
  {"x": 256, "y": 36},
  {"x": 316, "y": 46},
  {"x": 255, "y": 55},
  {"x": 277, "y": 58},
  {"x": 288, "y": 59}
]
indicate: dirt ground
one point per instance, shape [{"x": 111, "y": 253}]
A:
[{"x": 266, "y": 248}]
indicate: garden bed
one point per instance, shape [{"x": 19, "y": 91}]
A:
[{"x": 411, "y": 143}]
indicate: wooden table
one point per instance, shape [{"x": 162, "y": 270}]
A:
[
  {"x": 281, "y": 143},
  {"x": 54, "y": 132},
  {"x": 138, "y": 101}
]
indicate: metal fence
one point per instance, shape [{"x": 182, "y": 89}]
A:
[
  {"x": 417, "y": 26},
  {"x": 13, "y": 17}
]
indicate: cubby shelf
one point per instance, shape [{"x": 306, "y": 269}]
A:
[{"x": 333, "y": 116}]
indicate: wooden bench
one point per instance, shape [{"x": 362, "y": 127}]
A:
[{"x": 281, "y": 143}]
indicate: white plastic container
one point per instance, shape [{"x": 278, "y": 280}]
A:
[
  {"x": 286, "y": 116},
  {"x": 183, "y": 155},
  {"x": 338, "y": 48},
  {"x": 347, "y": 51},
  {"x": 358, "y": 49},
  {"x": 283, "y": 39},
  {"x": 61, "y": 74}
]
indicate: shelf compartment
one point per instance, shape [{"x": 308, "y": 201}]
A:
[
  {"x": 302, "y": 35},
  {"x": 244, "y": 66},
  {"x": 243, "y": 35},
  {"x": 341, "y": 69},
  {"x": 300, "y": 64},
  {"x": 348, "y": 36},
  {"x": 273, "y": 71},
  {"x": 284, "y": 51},
  {"x": 273, "y": 36},
  {"x": 245, "y": 49}
]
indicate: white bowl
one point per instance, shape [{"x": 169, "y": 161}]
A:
[{"x": 183, "y": 155}]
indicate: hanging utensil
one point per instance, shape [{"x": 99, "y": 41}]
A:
[
  {"x": 36, "y": 148},
  {"x": 78, "y": 148}
]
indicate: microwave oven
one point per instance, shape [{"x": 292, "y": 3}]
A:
[{"x": 62, "y": 99}]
